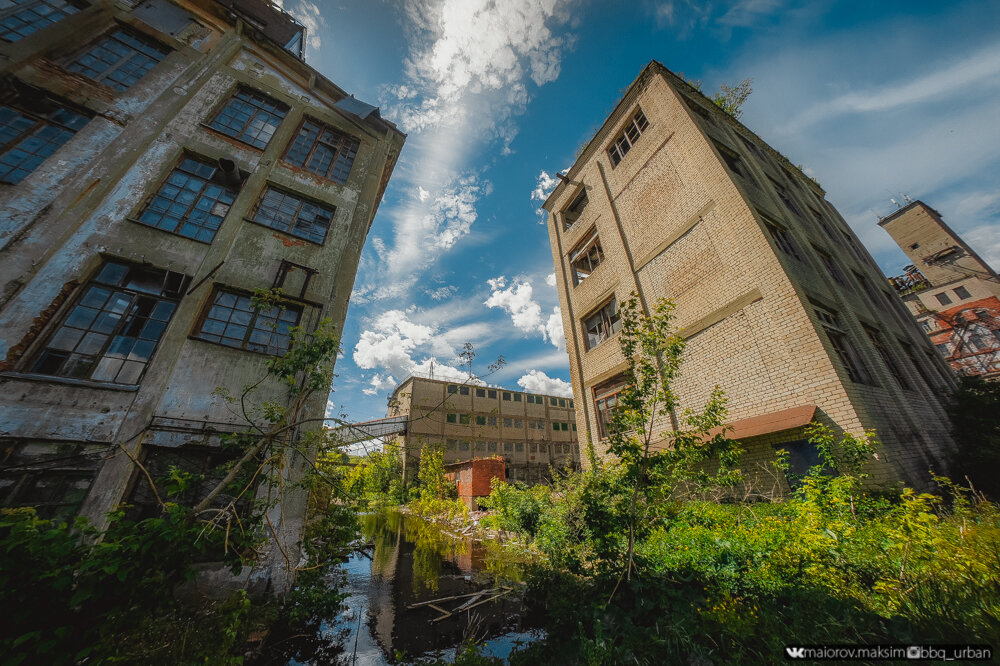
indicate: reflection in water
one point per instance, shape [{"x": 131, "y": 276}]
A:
[{"x": 414, "y": 561}]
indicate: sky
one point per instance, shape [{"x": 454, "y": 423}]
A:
[{"x": 876, "y": 100}]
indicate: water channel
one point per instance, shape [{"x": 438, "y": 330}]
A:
[{"x": 417, "y": 592}]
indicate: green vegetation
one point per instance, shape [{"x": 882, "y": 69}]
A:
[
  {"x": 975, "y": 417},
  {"x": 72, "y": 593},
  {"x": 435, "y": 494},
  {"x": 648, "y": 558}
]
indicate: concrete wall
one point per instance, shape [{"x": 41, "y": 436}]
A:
[{"x": 78, "y": 208}]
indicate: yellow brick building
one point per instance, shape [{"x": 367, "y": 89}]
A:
[{"x": 780, "y": 304}]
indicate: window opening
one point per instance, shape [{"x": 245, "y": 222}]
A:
[
  {"x": 786, "y": 197},
  {"x": 887, "y": 358},
  {"x": 323, "y": 150},
  {"x": 831, "y": 267},
  {"x": 628, "y": 137},
  {"x": 602, "y": 324},
  {"x": 250, "y": 117},
  {"x": 20, "y": 19},
  {"x": 119, "y": 60},
  {"x": 943, "y": 298},
  {"x": 192, "y": 202},
  {"x": 573, "y": 212},
  {"x": 962, "y": 292},
  {"x": 113, "y": 329},
  {"x": 783, "y": 239},
  {"x": 293, "y": 215},
  {"x": 588, "y": 256},
  {"x": 843, "y": 347},
  {"x": 33, "y": 126},
  {"x": 234, "y": 321},
  {"x": 606, "y": 398}
]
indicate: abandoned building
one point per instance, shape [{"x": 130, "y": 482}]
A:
[
  {"x": 161, "y": 161},
  {"x": 779, "y": 303},
  {"x": 530, "y": 432},
  {"x": 473, "y": 478},
  {"x": 952, "y": 292}
]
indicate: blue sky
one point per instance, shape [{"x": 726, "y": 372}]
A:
[{"x": 874, "y": 99}]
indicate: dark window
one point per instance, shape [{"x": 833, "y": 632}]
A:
[
  {"x": 491, "y": 420},
  {"x": 507, "y": 423},
  {"x": 517, "y": 397},
  {"x": 606, "y": 398},
  {"x": 323, "y": 150},
  {"x": 463, "y": 445},
  {"x": 698, "y": 108},
  {"x": 519, "y": 447},
  {"x": 585, "y": 258},
  {"x": 962, "y": 292},
  {"x": 506, "y": 396},
  {"x": 602, "y": 324},
  {"x": 831, "y": 267},
  {"x": 192, "y": 202},
  {"x": 463, "y": 419},
  {"x": 491, "y": 446},
  {"x": 802, "y": 456},
  {"x": 206, "y": 467},
  {"x": 463, "y": 390},
  {"x": 480, "y": 420},
  {"x": 629, "y": 135},
  {"x": 943, "y": 298},
  {"x": 452, "y": 388},
  {"x": 119, "y": 60},
  {"x": 562, "y": 402},
  {"x": 491, "y": 393},
  {"x": 299, "y": 217},
  {"x": 33, "y": 126},
  {"x": 575, "y": 209},
  {"x": 480, "y": 446},
  {"x": 452, "y": 418},
  {"x": 251, "y": 117},
  {"x": 732, "y": 160},
  {"x": 843, "y": 347},
  {"x": 234, "y": 321},
  {"x": 824, "y": 225},
  {"x": 783, "y": 239},
  {"x": 571, "y": 405},
  {"x": 786, "y": 197},
  {"x": 480, "y": 393},
  {"x": 887, "y": 358},
  {"x": 52, "y": 478},
  {"x": 20, "y": 19},
  {"x": 508, "y": 447},
  {"x": 926, "y": 325},
  {"x": 574, "y": 426},
  {"x": 908, "y": 350},
  {"x": 113, "y": 328},
  {"x": 518, "y": 423},
  {"x": 553, "y": 402}
]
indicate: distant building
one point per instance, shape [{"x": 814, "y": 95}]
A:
[
  {"x": 952, "y": 292},
  {"x": 531, "y": 432},
  {"x": 160, "y": 162},
  {"x": 780, "y": 305},
  {"x": 474, "y": 478}
]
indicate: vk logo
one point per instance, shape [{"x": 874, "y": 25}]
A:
[{"x": 796, "y": 652}]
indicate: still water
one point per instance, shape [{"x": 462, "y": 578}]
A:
[{"x": 416, "y": 592}]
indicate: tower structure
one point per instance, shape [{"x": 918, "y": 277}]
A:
[
  {"x": 953, "y": 294},
  {"x": 780, "y": 304},
  {"x": 160, "y": 162}
]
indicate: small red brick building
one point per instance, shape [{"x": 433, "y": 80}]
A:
[{"x": 474, "y": 478}]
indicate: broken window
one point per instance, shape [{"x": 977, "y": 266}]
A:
[
  {"x": 323, "y": 150},
  {"x": 193, "y": 200},
  {"x": 637, "y": 125},
  {"x": 112, "y": 330},
  {"x": 585, "y": 258},
  {"x": 33, "y": 126},
  {"x": 575, "y": 209},
  {"x": 52, "y": 478},
  {"x": 119, "y": 60},
  {"x": 783, "y": 239},
  {"x": 602, "y": 324},
  {"x": 251, "y": 117},
  {"x": 20, "y": 19},
  {"x": 831, "y": 267},
  {"x": 606, "y": 397},
  {"x": 294, "y": 215},
  {"x": 732, "y": 160},
  {"x": 234, "y": 321},
  {"x": 843, "y": 347},
  {"x": 887, "y": 358},
  {"x": 204, "y": 468},
  {"x": 824, "y": 225},
  {"x": 786, "y": 197}
]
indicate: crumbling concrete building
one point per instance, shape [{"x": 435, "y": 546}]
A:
[
  {"x": 953, "y": 294},
  {"x": 533, "y": 433},
  {"x": 160, "y": 162},
  {"x": 779, "y": 303}
]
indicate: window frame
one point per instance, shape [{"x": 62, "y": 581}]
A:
[
  {"x": 347, "y": 145},
  {"x": 580, "y": 257},
  {"x": 843, "y": 346},
  {"x": 623, "y": 142},
  {"x": 572, "y": 212},
  {"x": 19, "y": 101},
  {"x": 250, "y": 325},
  {"x": 16, "y": 10},
  {"x": 124, "y": 320},
  {"x": 123, "y": 63},
  {"x": 602, "y": 394},
  {"x": 302, "y": 202},
  {"x": 610, "y": 323},
  {"x": 251, "y": 92},
  {"x": 782, "y": 238}
]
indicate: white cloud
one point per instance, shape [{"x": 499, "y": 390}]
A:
[
  {"x": 550, "y": 279},
  {"x": 554, "y": 329},
  {"x": 442, "y": 293},
  {"x": 379, "y": 383},
  {"x": 422, "y": 194},
  {"x": 537, "y": 381},
  {"x": 544, "y": 186},
  {"x": 985, "y": 240}
]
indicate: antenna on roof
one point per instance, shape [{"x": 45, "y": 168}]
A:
[
  {"x": 432, "y": 369},
  {"x": 895, "y": 202},
  {"x": 906, "y": 198}
]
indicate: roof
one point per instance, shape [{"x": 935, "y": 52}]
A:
[{"x": 412, "y": 378}]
